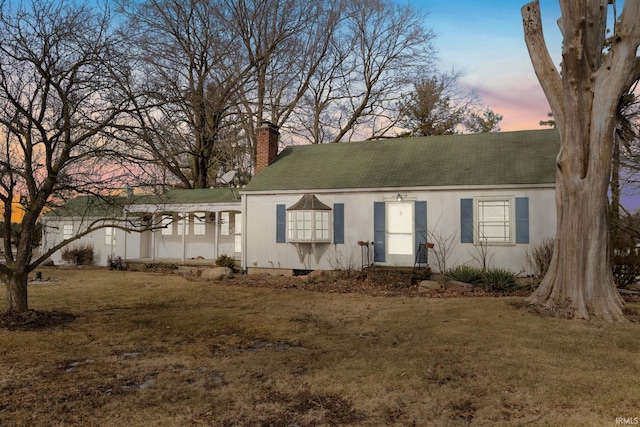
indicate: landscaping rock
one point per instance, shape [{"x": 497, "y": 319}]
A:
[
  {"x": 429, "y": 285},
  {"x": 319, "y": 276},
  {"x": 456, "y": 286},
  {"x": 217, "y": 273}
]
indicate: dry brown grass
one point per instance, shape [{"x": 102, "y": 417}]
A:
[{"x": 149, "y": 349}]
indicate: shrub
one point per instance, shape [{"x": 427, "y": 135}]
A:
[
  {"x": 465, "y": 273},
  {"x": 626, "y": 267},
  {"x": 499, "y": 279},
  {"x": 226, "y": 261},
  {"x": 539, "y": 259},
  {"x": 81, "y": 254}
]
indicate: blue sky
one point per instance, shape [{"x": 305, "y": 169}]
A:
[{"x": 485, "y": 40}]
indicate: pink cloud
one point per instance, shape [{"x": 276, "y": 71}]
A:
[{"x": 522, "y": 107}]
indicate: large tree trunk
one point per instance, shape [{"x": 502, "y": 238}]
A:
[
  {"x": 583, "y": 99},
  {"x": 579, "y": 283},
  {"x": 16, "y": 285}
]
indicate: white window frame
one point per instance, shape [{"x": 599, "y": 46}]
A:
[
  {"x": 237, "y": 232},
  {"x": 183, "y": 224},
  {"x": 481, "y": 220},
  {"x": 199, "y": 223},
  {"x": 167, "y": 224},
  {"x": 109, "y": 236},
  {"x": 309, "y": 226},
  {"x": 67, "y": 231},
  {"x": 225, "y": 223}
]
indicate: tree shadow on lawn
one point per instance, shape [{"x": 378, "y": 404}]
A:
[{"x": 32, "y": 320}]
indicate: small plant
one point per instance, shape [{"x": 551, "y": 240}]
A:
[
  {"x": 499, "y": 279},
  {"x": 625, "y": 267},
  {"x": 539, "y": 259},
  {"x": 226, "y": 261},
  {"x": 116, "y": 263},
  {"x": 465, "y": 273},
  {"x": 81, "y": 254}
]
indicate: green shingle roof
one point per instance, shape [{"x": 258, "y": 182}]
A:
[
  {"x": 203, "y": 195},
  {"x": 112, "y": 206},
  {"x": 506, "y": 158}
]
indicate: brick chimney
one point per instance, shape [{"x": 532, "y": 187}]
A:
[{"x": 266, "y": 145}]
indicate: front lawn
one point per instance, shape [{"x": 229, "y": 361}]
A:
[{"x": 151, "y": 349}]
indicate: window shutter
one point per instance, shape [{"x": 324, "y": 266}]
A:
[
  {"x": 466, "y": 220},
  {"x": 281, "y": 223},
  {"x": 379, "y": 232},
  {"x": 522, "y": 220},
  {"x": 421, "y": 228},
  {"x": 338, "y": 223}
]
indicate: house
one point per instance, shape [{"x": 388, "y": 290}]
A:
[
  {"x": 179, "y": 225},
  {"x": 492, "y": 195},
  {"x": 486, "y": 198}
]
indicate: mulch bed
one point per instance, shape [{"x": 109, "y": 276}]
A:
[{"x": 357, "y": 285}]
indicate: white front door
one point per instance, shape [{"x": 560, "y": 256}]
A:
[{"x": 400, "y": 238}]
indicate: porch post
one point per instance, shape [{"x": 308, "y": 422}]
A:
[
  {"x": 215, "y": 235},
  {"x": 183, "y": 220},
  {"x": 153, "y": 237}
]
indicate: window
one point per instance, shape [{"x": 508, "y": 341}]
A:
[
  {"x": 109, "y": 236},
  {"x": 237, "y": 232},
  {"x": 494, "y": 221},
  {"x": 225, "y": 228},
  {"x": 183, "y": 224},
  {"x": 199, "y": 223},
  {"x": 307, "y": 220},
  {"x": 67, "y": 231},
  {"x": 167, "y": 225},
  {"x": 308, "y": 226}
]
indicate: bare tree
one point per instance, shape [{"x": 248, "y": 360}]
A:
[
  {"x": 288, "y": 41},
  {"x": 193, "y": 74},
  {"x": 584, "y": 98},
  {"x": 377, "y": 51},
  {"x": 61, "y": 98}
]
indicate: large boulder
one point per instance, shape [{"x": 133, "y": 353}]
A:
[
  {"x": 429, "y": 285},
  {"x": 455, "y": 286},
  {"x": 217, "y": 273}
]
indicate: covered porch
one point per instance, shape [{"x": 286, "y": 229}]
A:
[{"x": 188, "y": 227}]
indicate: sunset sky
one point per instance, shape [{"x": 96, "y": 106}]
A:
[{"x": 485, "y": 40}]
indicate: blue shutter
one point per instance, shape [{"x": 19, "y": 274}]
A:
[
  {"x": 421, "y": 228},
  {"x": 379, "y": 232},
  {"x": 466, "y": 220},
  {"x": 522, "y": 220},
  {"x": 281, "y": 223},
  {"x": 338, "y": 223}
]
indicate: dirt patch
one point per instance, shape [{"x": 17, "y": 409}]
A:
[{"x": 33, "y": 320}]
